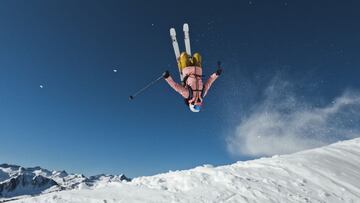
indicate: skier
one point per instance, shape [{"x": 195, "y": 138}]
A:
[{"x": 193, "y": 90}]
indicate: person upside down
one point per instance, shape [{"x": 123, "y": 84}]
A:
[{"x": 193, "y": 90}]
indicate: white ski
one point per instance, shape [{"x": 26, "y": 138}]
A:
[
  {"x": 176, "y": 48},
  {"x": 187, "y": 39},
  {"x": 175, "y": 43}
]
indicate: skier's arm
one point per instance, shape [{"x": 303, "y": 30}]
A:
[
  {"x": 209, "y": 82},
  {"x": 178, "y": 88}
]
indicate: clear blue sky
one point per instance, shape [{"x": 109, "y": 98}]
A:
[{"x": 82, "y": 120}]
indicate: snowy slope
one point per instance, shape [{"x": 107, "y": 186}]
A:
[{"x": 327, "y": 174}]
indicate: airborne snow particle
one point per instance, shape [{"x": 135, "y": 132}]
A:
[
  {"x": 41, "y": 86},
  {"x": 115, "y": 70}
]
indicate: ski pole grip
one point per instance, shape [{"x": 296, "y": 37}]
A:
[{"x": 219, "y": 64}]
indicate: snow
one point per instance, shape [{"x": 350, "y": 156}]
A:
[
  {"x": 18, "y": 182},
  {"x": 327, "y": 174}
]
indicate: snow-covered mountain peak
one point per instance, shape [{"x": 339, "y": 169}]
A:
[
  {"x": 16, "y": 180},
  {"x": 60, "y": 174},
  {"x": 109, "y": 178}
]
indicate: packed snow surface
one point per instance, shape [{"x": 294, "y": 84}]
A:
[{"x": 327, "y": 174}]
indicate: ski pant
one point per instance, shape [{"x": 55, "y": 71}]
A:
[{"x": 185, "y": 60}]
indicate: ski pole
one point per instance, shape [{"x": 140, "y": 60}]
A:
[
  {"x": 131, "y": 97},
  {"x": 219, "y": 64}
]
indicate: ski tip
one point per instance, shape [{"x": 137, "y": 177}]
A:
[
  {"x": 172, "y": 32},
  {"x": 186, "y": 27}
]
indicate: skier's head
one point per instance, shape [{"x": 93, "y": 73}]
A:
[
  {"x": 195, "y": 104},
  {"x": 194, "y": 107}
]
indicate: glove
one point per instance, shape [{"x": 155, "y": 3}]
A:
[
  {"x": 218, "y": 71},
  {"x": 166, "y": 74}
]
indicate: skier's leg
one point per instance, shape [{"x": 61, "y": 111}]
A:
[
  {"x": 183, "y": 61},
  {"x": 197, "y": 59}
]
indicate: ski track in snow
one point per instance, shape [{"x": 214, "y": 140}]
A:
[{"x": 323, "y": 175}]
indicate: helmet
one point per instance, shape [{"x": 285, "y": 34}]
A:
[{"x": 194, "y": 107}]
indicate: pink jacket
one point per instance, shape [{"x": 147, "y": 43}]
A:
[{"x": 192, "y": 71}]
